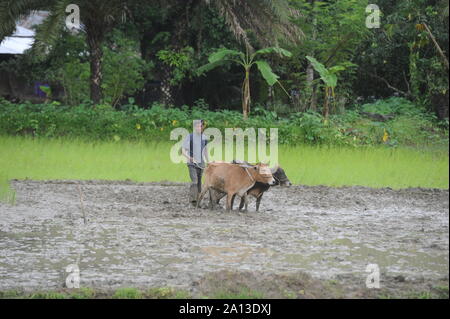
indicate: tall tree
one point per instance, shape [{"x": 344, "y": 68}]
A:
[
  {"x": 97, "y": 18},
  {"x": 402, "y": 58},
  {"x": 174, "y": 26},
  {"x": 268, "y": 20},
  {"x": 333, "y": 31}
]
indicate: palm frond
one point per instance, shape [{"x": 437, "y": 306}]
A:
[
  {"x": 269, "y": 20},
  {"x": 208, "y": 67},
  {"x": 280, "y": 51},
  {"x": 50, "y": 29}
]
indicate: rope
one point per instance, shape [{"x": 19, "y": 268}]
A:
[{"x": 251, "y": 178}]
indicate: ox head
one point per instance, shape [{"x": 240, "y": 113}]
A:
[
  {"x": 280, "y": 176},
  {"x": 261, "y": 173}
]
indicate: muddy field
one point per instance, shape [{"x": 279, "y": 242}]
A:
[{"x": 303, "y": 242}]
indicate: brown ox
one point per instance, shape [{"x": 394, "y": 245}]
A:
[
  {"x": 258, "y": 189},
  {"x": 234, "y": 179}
]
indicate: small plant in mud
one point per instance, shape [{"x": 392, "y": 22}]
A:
[
  {"x": 48, "y": 295},
  {"x": 83, "y": 293},
  {"x": 244, "y": 293},
  {"x": 441, "y": 291},
  {"x": 167, "y": 293},
  {"x": 290, "y": 294},
  {"x": 7, "y": 195},
  {"x": 127, "y": 293},
  {"x": 11, "y": 294},
  {"x": 434, "y": 293}
]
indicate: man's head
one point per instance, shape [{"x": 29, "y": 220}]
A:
[{"x": 198, "y": 126}]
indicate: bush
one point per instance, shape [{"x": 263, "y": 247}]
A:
[
  {"x": 123, "y": 70},
  {"x": 394, "y": 106},
  {"x": 102, "y": 122}
]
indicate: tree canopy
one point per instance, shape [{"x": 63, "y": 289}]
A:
[{"x": 150, "y": 51}]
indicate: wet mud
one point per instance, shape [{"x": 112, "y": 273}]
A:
[{"x": 124, "y": 234}]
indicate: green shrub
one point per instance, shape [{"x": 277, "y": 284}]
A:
[
  {"x": 394, "y": 105},
  {"x": 123, "y": 70},
  {"x": 102, "y": 122}
]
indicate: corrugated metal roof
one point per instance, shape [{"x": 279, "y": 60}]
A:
[
  {"x": 37, "y": 17},
  {"x": 13, "y": 45},
  {"x": 23, "y": 37},
  {"x": 18, "y": 42}
]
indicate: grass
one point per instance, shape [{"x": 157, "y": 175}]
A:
[
  {"x": 40, "y": 159},
  {"x": 127, "y": 293},
  {"x": 372, "y": 167},
  {"x": 7, "y": 195},
  {"x": 167, "y": 293},
  {"x": 90, "y": 293},
  {"x": 171, "y": 293},
  {"x": 433, "y": 293},
  {"x": 244, "y": 293}
]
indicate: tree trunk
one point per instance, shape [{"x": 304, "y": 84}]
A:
[
  {"x": 246, "y": 95},
  {"x": 312, "y": 89},
  {"x": 313, "y": 105},
  {"x": 166, "y": 87},
  {"x": 95, "y": 57},
  {"x": 326, "y": 103},
  {"x": 271, "y": 95},
  {"x": 438, "y": 48}
]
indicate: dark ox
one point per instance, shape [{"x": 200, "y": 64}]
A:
[
  {"x": 233, "y": 179},
  {"x": 258, "y": 189}
]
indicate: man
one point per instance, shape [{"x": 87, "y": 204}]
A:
[{"x": 194, "y": 149}]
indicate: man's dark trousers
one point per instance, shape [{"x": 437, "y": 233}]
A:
[{"x": 195, "y": 174}]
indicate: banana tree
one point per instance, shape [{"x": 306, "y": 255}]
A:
[
  {"x": 329, "y": 78},
  {"x": 246, "y": 60}
]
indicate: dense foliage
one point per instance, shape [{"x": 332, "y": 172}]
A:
[
  {"x": 152, "y": 57},
  {"x": 407, "y": 124}
]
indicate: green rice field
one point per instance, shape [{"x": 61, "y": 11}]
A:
[{"x": 42, "y": 159}]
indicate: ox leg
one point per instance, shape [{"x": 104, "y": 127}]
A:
[
  {"x": 242, "y": 203},
  {"x": 258, "y": 201},
  {"x": 216, "y": 196},
  {"x": 212, "y": 199},
  {"x": 230, "y": 200},
  {"x": 246, "y": 202},
  {"x": 201, "y": 195}
]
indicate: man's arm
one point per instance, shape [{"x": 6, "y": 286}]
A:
[
  {"x": 185, "y": 153},
  {"x": 185, "y": 149},
  {"x": 205, "y": 152}
]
